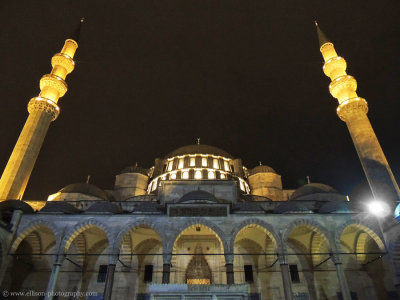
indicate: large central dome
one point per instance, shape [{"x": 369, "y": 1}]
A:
[{"x": 198, "y": 149}]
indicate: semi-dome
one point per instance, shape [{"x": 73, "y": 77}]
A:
[
  {"x": 86, "y": 189},
  {"x": 198, "y": 196},
  {"x": 104, "y": 207},
  {"x": 198, "y": 149},
  {"x": 307, "y": 190},
  {"x": 291, "y": 207},
  {"x": 261, "y": 169}
]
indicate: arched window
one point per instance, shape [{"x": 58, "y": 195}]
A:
[
  {"x": 215, "y": 163},
  {"x": 197, "y": 175},
  {"x": 204, "y": 161},
  {"x": 192, "y": 162},
  {"x": 180, "y": 163},
  {"x": 185, "y": 175},
  {"x": 211, "y": 175}
]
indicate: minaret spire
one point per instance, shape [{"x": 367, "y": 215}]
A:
[
  {"x": 42, "y": 109},
  {"x": 353, "y": 110}
]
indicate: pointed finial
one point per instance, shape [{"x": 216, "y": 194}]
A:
[
  {"x": 260, "y": 163},
  {"x": 88, "y": 179},
  {"x": 136, "y": 164},
  {"x": 77, "y": 32},
  {"x": 322, "y": 39},
  {"x": 308, "y": 179},
  {"x": 198, "y": 141}
]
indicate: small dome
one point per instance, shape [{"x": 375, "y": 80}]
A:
[
  {"x": 261, "y": 169},
  {"x": 198, "y": 196},
  {"x": 59, "y": 207},
  {"x": 104, "y": 207},
  {"x": 198, "y": 149},
  {"x": 135, "y": 169},
  {"x": 307, "y": 190},
  {"x": 335, "y": 207},
  {"x": 291, "y": 207},
  {"x": 11, "y": 205},
  {"x": 85, "y": 188}
]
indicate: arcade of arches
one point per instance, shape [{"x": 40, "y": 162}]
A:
[{"x": 301, "y": 263}]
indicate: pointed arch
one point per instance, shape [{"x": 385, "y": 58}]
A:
[
  {"x": 81, "y": 227},
  {"x": 132, "y": 226},
  {"x": 221, "y": 236},
  {"x": 26, "y": 230},
  {"x": 268, "y": 228},
  {"x": 376, "y": 236}
]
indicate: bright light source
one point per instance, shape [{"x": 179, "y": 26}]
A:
[{"x": 378, "y": 208}]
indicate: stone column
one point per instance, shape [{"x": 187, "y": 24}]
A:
[
  {"x": 230, "y": 276},
  {"x": 166, "y": 272},
  {"x": 112, "y": 261},
  {"x": 53, "y": 277},
  {"x": 341, "y": 277},
  {"x": 166, "y": 268},
  {"x": 287, "y": 284}
]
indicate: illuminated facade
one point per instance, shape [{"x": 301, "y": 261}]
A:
[{"x": 199, "y": 224}]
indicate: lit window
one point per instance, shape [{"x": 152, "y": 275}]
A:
[
  {"x": 197, "y": 175},
  {"x": 173, "y": 176},
  {"x": 154, "y": 185},
  {"x": 185, "y": 175},
  {"x": 223, "y": 176},
  {"x": 192, "y": 161},
  {"x": 215, "y": 163},
  {"x": 204, "y": 161},
  {"x": 170, "y": 165},
  {"x": 180, "y": 164},
  {"x": 242, "y": 186},
  {"x": 226, "y": 165},
  {"x": 163, "y": 178},
  {"x": 211, "y": 175}
]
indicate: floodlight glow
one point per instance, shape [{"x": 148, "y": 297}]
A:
[{"x": 378, "y": 208}]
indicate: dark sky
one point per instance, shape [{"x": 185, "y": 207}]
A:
[{"x": 245, "y": 76}]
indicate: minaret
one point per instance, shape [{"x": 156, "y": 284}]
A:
[
  {"x": 353, "y": 110},
  {"x": 42, "y": 109}
]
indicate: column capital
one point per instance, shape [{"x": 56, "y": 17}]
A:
[
  {"x": 112, "y": 259},
  {"x": 283, "y": 258},
  {"x": 229, "y": 258},
  {"x": 167, "y": 257}
]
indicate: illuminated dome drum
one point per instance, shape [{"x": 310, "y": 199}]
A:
[{"x": 198, "y": 162}]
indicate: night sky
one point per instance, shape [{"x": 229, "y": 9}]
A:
[{"x": 244, "y": 76}]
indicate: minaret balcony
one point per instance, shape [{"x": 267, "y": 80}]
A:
[
  {"x": 44, "y": 104},
  {"x": 351, "y": 107},
  {"x": 55, "y": 82},
  {"x": 335, "y": 67},
  {"x": 64, "y": 61},
  {"x": 345, "y": 83}
]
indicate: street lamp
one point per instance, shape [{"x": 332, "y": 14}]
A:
[{"x": 378, "y": 208}]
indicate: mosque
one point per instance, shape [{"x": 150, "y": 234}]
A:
[{"x": 199, "y": 224}]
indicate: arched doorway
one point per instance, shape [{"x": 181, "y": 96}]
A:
[{"x": 198, "y": 257}]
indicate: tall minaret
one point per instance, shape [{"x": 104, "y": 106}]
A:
[
  {"x": 353, "y": 110},
  {"x": 42, "y": 111}
]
